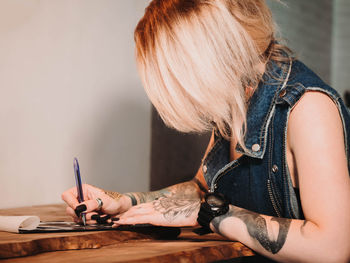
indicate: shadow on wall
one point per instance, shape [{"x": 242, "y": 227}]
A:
[
  {"x": 119, "y": 158},
  {"x": 175, "y": 157},
  {"x": 347, "y": 98}
]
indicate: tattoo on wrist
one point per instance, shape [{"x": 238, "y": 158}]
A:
[
  {"x": 145, "y": 197},
  {"x": 183, "y": 191},
  {"x": 133, "y": 198},
  {"x": 171, "y": 208},
  {"x": 257, "y": 228}
]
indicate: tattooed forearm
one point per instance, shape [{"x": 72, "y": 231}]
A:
[
  {"x": 144, "y": 197},
  {"x": 187, "y": 190},
  {"x": 171, "y": 208},
  {"x": 257, "y": 228}
]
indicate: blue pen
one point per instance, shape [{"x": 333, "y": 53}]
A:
[{"x": 79, "y": 187}]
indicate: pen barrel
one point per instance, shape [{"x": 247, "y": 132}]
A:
[{"x": 78, "y": 181}]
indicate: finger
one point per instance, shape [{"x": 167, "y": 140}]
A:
[
  {"x": 80, "y": 209},
  {"x": 90, "y": 222},
  {"x": 71, "y": 213},
  {"x": 90, "y": 216},
  {"x": 141, "y": 219},
  {"x": 86, "y": 207},
  {"x": 103, "y": 219},
  {"x": 90, "y": 191},
  {"x": 70, "y": 197},
  {"x": 113, "y": 219}
]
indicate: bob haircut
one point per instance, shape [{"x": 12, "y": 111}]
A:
[{"x": 197, "y": 57}]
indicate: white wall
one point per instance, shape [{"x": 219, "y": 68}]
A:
[
  {"x": 319, "y": 32},
  {"x": 341, "y": 46},
  {"x": 69, "y": 87},
  {"x": 307, "y": 27}
]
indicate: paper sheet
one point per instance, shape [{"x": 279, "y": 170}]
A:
[{"x": 14, "y": 223}]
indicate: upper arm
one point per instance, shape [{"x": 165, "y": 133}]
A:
[{"x": 316, "y": 139}]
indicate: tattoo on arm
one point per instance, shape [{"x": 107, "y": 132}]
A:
[
  {"x": 144, "y": 197},
  {"x": 257, "y": 228},
  {"x": 171, "y": 208},
  {"x": 187, "y": 190},
  {"x": 115, "y": 195},
  {"x": 200, "y": 185}
]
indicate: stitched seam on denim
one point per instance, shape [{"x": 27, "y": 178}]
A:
[
  {"x": 269, "y": 165},
  {"x": 211, "y": 152},
  {"x": 231, "y": 168},
  {"x": 235, "y": 165},
  {"x": 208, "y": 175},
  {"x": 223, "y": 171},
  {"x": 207, "y": 160},
  {"x": 290, "y": 194},
  {"x": 270, "y": 159},
  {"x": 278, "y": 198},
  {"x": 299, "y": 86},
  {"x": 285, "y": 168},
  {"x": 286, "y": 75},
  {"x": 262, "y": 136},
  {"x": 336, "y": 101},
  {"x": 292, "y": 99},
  {"x": 333, "y": 96}
]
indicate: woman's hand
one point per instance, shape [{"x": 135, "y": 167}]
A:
[
  {"x": 165, "y": 211},
  {"x": 111, "y": 206}
]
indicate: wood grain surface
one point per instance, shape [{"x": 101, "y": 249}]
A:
[{"x": 110, "y": 246}]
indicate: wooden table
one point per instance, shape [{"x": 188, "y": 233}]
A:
[{"x": 110, "y": 246}]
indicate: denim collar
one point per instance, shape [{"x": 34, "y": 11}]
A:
[{"x": 262, "y": 106}]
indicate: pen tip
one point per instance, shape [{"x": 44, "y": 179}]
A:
[{"x": 84, "y": 219}]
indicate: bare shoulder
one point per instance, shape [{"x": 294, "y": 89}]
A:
[
  {"x": 316, "y": 103},
  {"x": 316, "y": 133},
  {"x": 316, "y": 118}
]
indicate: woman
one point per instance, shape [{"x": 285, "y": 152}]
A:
[{"x": 280, "y": 147}]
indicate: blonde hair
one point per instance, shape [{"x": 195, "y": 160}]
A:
[{"x": 196, "y": 58}]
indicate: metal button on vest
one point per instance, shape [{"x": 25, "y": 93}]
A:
[
  {"x": 256, "y": 147},
  {"x": 283, "y": 93},
  {"x": 274, "y": 168},
  {"x": 205, "y": 168}
]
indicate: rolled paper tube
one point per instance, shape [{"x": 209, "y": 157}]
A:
[{"x": 15, "y": 223}]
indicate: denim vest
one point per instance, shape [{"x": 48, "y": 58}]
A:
[{"x": 259, "y": 180}]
